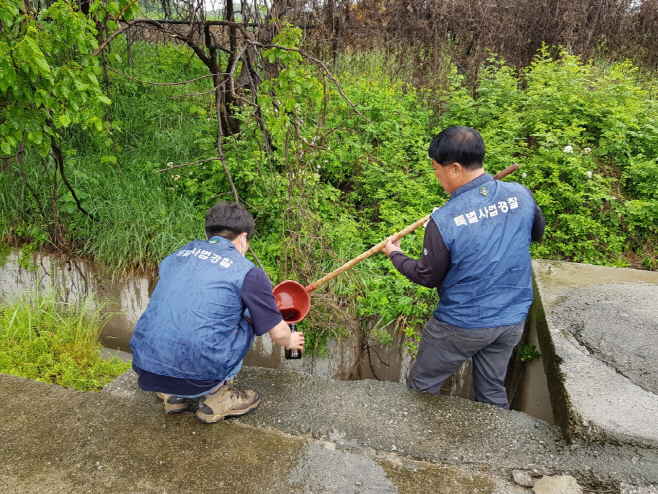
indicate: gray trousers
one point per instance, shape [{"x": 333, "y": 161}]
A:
[{"x": 444, "y": 348}]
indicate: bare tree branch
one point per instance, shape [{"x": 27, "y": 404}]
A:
[
  {"x": 160, "y": 25},
  {"x": 325, "y": 71}
]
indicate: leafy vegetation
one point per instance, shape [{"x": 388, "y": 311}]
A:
[
  {"x": 341, "y": 166},
  {"x": 526, "y": 353},
  {"x": 55, "y": 342},
  {"x": 48, "y": 77},
  {"x": 587, "y": 139}
]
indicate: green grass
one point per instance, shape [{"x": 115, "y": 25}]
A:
[
  {"x": 140, "y": 215},
  {"x": 55, "y": 342}
]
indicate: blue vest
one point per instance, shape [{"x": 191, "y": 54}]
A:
[
  {"x": 486, "y": 226},
  {"x": 194, "y": 325}
]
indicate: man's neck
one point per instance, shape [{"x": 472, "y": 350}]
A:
[{"x": 469, "y": 176}]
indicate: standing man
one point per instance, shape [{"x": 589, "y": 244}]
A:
[
  {"x": 194, "y": 333},
  {"x": 476, "y": 254}
]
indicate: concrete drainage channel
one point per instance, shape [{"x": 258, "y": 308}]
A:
[
  {"x": 527, "y": 384},
  {"x": 602, "y": 385}
]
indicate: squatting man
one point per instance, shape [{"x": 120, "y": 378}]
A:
[
  {"x": 476, "y": 254},
  {"x": 208, "y": 305}
]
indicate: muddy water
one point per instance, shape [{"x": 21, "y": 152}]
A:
[
  {"x": 534, "y": 398},
  {"x": 352, "y": 358},
  {"x": 531, "y": 395}
]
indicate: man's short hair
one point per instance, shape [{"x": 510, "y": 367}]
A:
[
  {"x": 228, "y": 220},
  {"x": 458, "y": 144}
]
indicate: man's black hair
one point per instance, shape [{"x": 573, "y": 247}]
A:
[
  {"x": 458, "y": 144},
  {"x": 228, "y": 220}
]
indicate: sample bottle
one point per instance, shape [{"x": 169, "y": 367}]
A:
[{"x": 293, "y": 354}]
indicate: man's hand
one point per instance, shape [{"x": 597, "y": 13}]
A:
[
  {"x": 391, "y": 247},
  {"x": 296, "y": 341},
  {"x": 281, "y": 335}
]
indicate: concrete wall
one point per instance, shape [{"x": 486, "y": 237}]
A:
[
  {"x": 74, "y": 280},
  {"x": 595, "y": 394}
]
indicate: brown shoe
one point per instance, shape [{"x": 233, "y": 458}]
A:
[
  {"x": 229, "y": 401},
  {"x": 173, "y": 404}
]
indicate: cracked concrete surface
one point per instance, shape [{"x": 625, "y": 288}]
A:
[
  {"x": 61, "y": 440},
  {"x": 618, "y": 324},
  {"x": 597, "y": 328},
  {"x": 310, "y": 434}
]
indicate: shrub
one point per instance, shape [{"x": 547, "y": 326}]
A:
[
  {"x": 587, "y": 142},
  {"x": 337, "y": 182}
]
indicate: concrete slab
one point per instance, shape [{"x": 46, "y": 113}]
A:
[
  {"x": 392, "y": 424},
  {"x": 60, "y": 440},
  {"x": 597, "y": 328}
]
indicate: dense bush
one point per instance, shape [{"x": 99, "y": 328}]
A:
[{"x": 587, "y": 140}]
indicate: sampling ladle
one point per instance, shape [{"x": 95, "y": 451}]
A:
[{"x": 292, "y": 298}]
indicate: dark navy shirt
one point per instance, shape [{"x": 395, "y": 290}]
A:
[{"x": 257, "y": 297}]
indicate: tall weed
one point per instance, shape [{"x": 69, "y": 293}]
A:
[{"x": 47, "y": 340}]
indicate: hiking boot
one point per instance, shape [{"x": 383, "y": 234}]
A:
[
  {"x": 173, "y": 404},
  {"x": 229, "y": 401}
]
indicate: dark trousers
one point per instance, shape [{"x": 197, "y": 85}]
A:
[{"x": 444, "y": 348}]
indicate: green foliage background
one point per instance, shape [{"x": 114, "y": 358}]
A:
[
  {"x": 585, "y": 135},
  {"x": 587, "y": 139}
]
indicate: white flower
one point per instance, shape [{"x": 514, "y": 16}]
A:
[
  {"x": 318, "y": 166},
  {"x": 587, "y": 150},
  {"x": 589, "y": 174},
  {"x": 170, "y": 164},
  {"x": 613, "y": 198},
  {"x": 328, "y": 148},
  {"x": 524, "y": 175},
  {"x": 176, "y": 177},
  {"x": 567, "y": 149}
]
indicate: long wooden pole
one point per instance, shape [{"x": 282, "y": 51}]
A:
[{"x": 316, "y": 284}]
